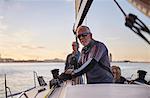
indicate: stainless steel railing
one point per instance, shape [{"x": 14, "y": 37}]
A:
[{"x": 21, "y": 92}]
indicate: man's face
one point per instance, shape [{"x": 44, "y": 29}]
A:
[
  {"x": 84, "y": 36},
  {"x": 74, "y": 46}
]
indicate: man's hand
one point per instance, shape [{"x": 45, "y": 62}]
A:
[
  {"x": 69, "y": 71},
  {"x": 64, "y": 76}
]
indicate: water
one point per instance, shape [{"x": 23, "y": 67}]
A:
[
  {"x": 20, "y": 75},
  {"x": 129, "y": 70}
]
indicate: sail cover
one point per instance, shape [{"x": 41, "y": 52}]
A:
[
  {"x": 77, "y": 6},
  {"x": 142, "y": 5},
  {"x": 81, "y": 8}
]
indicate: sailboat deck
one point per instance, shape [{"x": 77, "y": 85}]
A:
[
  {"x": 103, "y": 91},
  {"x": 34, "y": 92}
]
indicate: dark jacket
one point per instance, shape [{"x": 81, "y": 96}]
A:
[
  {"x": 71, "y": 60},
  {"x": 98, "y": 72},
  {"x": 122, "y": 80}
]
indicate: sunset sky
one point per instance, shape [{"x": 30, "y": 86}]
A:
[{"x": 42, "y": 29}]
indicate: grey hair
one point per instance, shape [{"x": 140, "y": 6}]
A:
[{"x": 86, "y": 27}]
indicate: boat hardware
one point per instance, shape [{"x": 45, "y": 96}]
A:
[
  {"x": 40, "y": 90},
  {"x": 23, "y": 93},
  {"x": 135, "y": 24},
  {"x": 11, "y": 95}
]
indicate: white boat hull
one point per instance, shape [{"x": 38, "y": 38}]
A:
[{"x": 102, "y": 91}]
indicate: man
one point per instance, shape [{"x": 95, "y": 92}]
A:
[
  {"x": 73, "y": 57},
  {"x": 94, "y": 59},
  {"x": 141, "y": 77},
  {"x": 71, "y": 62}
]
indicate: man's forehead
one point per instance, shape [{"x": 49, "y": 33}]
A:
[
  {"x": 74, "y": 43},
  {"x": 82, "y": 29}
]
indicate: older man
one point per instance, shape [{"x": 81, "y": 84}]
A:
[{"x": 94, "y": 60}]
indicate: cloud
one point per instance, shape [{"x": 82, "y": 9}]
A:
[
  {"x": 40, "y": 47},
  {"x": 113, "y": 38},
  {"x": 69, "y": 0},
  {"x": 1, "y": 17},
  {"x": 32, "y": 47},
  {"x": 2, "y": 25},
  {"x": 22, "y": 36}
]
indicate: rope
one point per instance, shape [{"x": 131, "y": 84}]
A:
[{"x": 50, "y": 92}]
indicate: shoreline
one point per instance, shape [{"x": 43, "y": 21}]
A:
[{"x": 64, "y": 62}]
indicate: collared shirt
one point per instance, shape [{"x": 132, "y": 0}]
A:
[{"x": 69, "y": 58}]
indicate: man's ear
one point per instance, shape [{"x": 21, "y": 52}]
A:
[{"x": 91, "y": 35}]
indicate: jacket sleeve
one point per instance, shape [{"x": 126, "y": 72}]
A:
[
  {"x": 85, "y": 67},
  {"x": 67, "y": 62},
  {"x": 98, "y": 51}
]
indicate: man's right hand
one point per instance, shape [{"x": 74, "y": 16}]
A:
[
  {"x": 64, "y": 76},
  {"x": 69, "y": 71}
]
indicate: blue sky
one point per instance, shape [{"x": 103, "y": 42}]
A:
[{"x": 42, "y": 29}]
